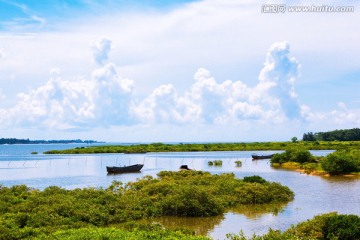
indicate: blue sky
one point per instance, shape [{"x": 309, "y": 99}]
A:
[{"x": 145, "y": 71}]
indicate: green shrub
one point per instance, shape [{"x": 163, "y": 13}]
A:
[
  {"x": 28, "y": 213},
  {"x": 218, "y": 163},
  {"x": 278, "y": 158},
  {"x": 341, "y": 162},
  {"x": 151, "y": 233},
  {"x": 254, "y": 179},
  {"x": 302, "y": 156},
  {"x": 327, "y": 226},
  {"x": 293, "y": 155},
  {"x": 346, "y": 227},
  {"x": 238, "y": 163}
]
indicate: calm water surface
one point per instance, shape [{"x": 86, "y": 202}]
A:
[{"x": 313, "y": 194}]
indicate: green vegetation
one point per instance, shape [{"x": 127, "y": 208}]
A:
[
  {"x": 293, "y": 155},
  {"x": 145, "y": 232},
  {"x": 322, "y": 227},
  {"x": 342, "y": 162},
  {"x": 337, "y": 163},
  {"x": 70, "y": 214},
  {"x": 238, "y": 163},
  {"x": 255, "y": 146},
  {"x": 218, "y": 163},
  {"x": 336, "y": 135},
  {"x": 254, "y": 179}
]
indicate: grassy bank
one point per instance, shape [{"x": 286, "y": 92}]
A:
[{"x": 197, "y": 147}]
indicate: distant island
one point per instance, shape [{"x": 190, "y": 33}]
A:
[{"x": 28, "y": 141}]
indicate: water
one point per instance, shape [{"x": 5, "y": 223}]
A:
[{"x": 313, "y": 194}]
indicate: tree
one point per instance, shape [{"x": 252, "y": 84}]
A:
[
  {"x": 338, "y": 135},
  {"x": 309, "y": 137},
  {"x": 294, "y": 139}
]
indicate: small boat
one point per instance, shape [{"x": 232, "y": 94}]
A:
[
  {"x": 184, "y": 167},
  {"x": 125, "y": 169},
  {"x": 256, "y": 157}
]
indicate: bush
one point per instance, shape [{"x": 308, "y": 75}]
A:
[
  {"x": 293, "y": 155},
  {"x": 27, "y": 213},
  {"x": 327, "y": 226},
  {"x": 218, "y": 163},
  {"x": 114, "y": 234},
  {"x": 278, "y": 158},
  {"x": 341, "y": 162},
  {"x": 345, "y": 227},
  {"x": 302, "y": 156},
  {"x": 238, "y": 163},
  {"x": 254, "y": 179}
]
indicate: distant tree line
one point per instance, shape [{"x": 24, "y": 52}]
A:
[
  {"x": 28, "y": 141},
  {"x": 336, "y": 135}
]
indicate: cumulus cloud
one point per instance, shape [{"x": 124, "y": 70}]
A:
[
  {"x": 164, "y": 105},
  {"x": 343, "y": 115},
  {"x": 106, "y": 99},
  {"x": 101, "y": 50},
  {"x": 207, "y": 101},
  {"x": 340, "y": 117},
  {"x": 102, "y": 100},
  {"x": 57, "y": 104},
  {"x": 277, "y": 80},
  {"x": 112, "y": 96}
]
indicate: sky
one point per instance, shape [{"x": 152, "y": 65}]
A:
[{"x": 177, "y": 71}]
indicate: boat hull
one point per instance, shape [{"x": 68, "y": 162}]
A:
[
  {"x": 185, "y": 167},
  {"x": 257, "y": 157},
  {"x": 126, "y": 169}
]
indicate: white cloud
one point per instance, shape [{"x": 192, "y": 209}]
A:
[
  {"x": 345, "y": 116},
  {"x": 112, "y": 96},
  {"x": 2, "y": 53},
  {"x": 273, "y": 99},
  {"x": 63, "y": 104},
  {"x": 101, "y": 50},
  {"x": 107, "y": 99},
  {"x": 164, "y": 105},
  {"x": 277, "y": 79},
  {"x": 341, "y": 117}
]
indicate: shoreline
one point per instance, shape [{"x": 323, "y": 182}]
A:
[
  {"x": 208, "y": 147},
  {"x": 297, "y": 167}
]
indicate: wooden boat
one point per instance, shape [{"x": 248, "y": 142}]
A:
[
  {"x": 184, "y": 167},
  {"x": 257, "y": 157},
  {"x": 125, "y": 169}
]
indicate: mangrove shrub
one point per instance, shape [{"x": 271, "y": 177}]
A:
[
  {"x": 342, "y": 162},
  {"x": 28, "y": 213},
  {"x": 293, "y": 155}
]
